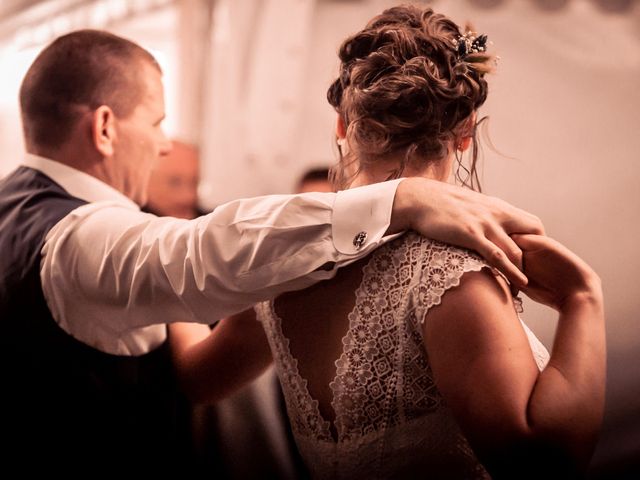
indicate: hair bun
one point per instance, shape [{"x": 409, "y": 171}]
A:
[{"x": 404, "y": 85}]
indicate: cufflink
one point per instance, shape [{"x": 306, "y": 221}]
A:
[{"x": 359, "y": 240}]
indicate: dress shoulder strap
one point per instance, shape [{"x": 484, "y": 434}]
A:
[{"x": 441, "y": 268}]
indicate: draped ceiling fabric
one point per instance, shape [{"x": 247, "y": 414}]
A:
[{"x": 271, "y": 61}]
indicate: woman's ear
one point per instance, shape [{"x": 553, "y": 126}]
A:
[
  {"x": 341, "y": 128},
  {"x": 468, "y": 128},
  {"x": 103, "y": 130},
  {"x": 463, "y": 144}
]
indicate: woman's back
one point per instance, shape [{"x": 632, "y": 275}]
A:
[{"x": 359, "y": 388}]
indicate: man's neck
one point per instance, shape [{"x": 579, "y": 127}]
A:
[{"x": 78, "y": 159}]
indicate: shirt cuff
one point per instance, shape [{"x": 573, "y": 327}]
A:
[{"x": 361, "y": 216}]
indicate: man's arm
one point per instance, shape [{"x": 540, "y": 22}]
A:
[{"x": 128, "y": 270}]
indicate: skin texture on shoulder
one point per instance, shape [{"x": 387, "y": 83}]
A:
[
  {"x": 481, "y": 359},
  {"x": 512, "y": 414}
]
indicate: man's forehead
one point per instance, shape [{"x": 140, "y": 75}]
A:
[
  {"x": 153, "y": 79},
  {"x": 153, "y": 91}
]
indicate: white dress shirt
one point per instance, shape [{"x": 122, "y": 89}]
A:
[{"x": 113, "y": 276}]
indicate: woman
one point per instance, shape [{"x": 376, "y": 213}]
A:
[{"x": 414, "y": 361}]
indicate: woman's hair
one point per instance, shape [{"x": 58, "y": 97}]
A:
[{"x": 409, "y": 83}]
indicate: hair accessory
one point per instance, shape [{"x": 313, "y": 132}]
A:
[{"x": 468, "y": 43}]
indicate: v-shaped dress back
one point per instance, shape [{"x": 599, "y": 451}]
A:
[{"x": 390, "y": 418}]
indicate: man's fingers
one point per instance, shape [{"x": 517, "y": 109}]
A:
[
  {"x": 523, "y": 222},
  {"x": 531, "y": 242},
  {"x": 498, "y": 259},
  {"x": 508, "y": 246}
]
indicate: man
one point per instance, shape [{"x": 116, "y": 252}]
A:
[{"x": 88, "y": 282}]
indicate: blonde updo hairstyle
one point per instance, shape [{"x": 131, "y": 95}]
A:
[{"x": 405, "y": 90}]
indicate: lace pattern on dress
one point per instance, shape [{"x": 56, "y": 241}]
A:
[
  {"x": 383, "y": 375},
  {"x": 383, "y": 385}
]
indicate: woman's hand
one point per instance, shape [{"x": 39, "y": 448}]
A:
[{"x": 556, "y": 275}]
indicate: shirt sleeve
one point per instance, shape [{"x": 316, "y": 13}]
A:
[{"x": 108, "y": 270}]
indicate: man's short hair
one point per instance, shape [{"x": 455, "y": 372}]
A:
[{"x": 79, "y": 71}]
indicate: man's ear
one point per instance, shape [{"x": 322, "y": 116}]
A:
[{"x": 103, "y": 130}]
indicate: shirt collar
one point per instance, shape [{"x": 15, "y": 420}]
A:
[{"x": 79, "y": 184}]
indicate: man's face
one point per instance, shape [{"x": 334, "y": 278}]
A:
[{"x": 141, "y": 141}]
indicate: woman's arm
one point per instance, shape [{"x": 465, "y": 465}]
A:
[
  {"x": 521, "y": 422},
  {"x": 577, "y": 369},
  {"x": 212, "y": 364}
]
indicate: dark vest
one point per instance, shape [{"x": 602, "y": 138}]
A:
[{"x": 65, "y": 406}]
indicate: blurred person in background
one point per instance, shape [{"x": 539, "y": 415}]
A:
[
  {"x": 314, "y": 180},
  {"x": 250, "y": 422},
  {"x": 173, "y": 184}
]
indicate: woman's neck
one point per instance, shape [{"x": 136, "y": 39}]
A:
[{"x": 381, "y": 170}]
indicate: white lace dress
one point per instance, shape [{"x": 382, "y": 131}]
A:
[{"x": 391, "y": 420}]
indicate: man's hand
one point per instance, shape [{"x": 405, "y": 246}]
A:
[{"x": 467, "y": 219}]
